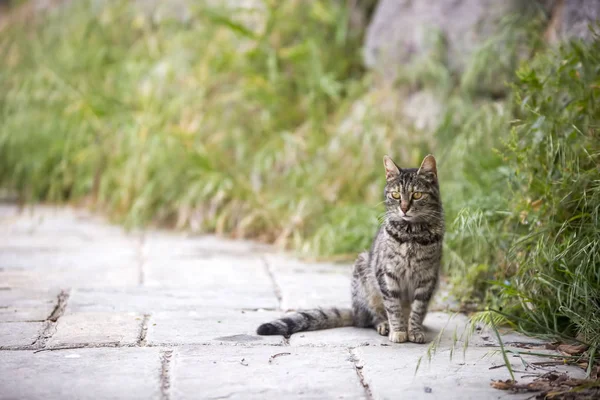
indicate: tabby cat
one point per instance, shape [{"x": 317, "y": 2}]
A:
[{"x": 392, "y": 283}]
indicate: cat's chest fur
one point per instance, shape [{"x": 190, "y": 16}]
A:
[
  {"x": 403, "y": 263},
  {"x": 399, "y": 262}
]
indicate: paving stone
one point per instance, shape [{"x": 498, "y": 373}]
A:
[
  {"x": 88, "y": 258},
  {"x": 107, "y": 373},
  {"x": 207, "y": 271},
  {"x": 210, "y": 326},
  {"x": 97, "y": 328},
  {"x": 26, "y": 305},
  {"x": 245, "y": 373},
  {"x": 42, "y": 266},
  {"x": 45, "y": 221},
  {"x": 305, "y": 285},
  {"x": 184, "y": 246},
  {"x": 13, "y": 334},
  {"x": 61, "y": 278},
  {"x": 244, "y": 277},
  {"x": 391, "y": 372},
  {"x": 8, "y": 211},
  {"x": 35, "y": 246},
  {"x": 151, "y": 300}
]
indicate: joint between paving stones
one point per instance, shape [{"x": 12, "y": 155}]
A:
[
  {"x": 359, "y": 373},
  {"x": 52, "y": 320},
  {"x": 276, "y": 288},
  {"x": 84, "y": 346},
  {"x": 143, "y": 331},
  {"x": 75, "y": 346},
  {"x": 165, "y": 374},
  {"x": 61, "y": 304}
]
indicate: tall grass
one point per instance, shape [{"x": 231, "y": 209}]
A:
[
  {"x": 554, "y": 156},
  {"x": 535, "y": 231},
  {"x": 225, "y": 123}
]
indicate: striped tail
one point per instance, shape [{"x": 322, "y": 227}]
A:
[{"x": 307, "y": 320}]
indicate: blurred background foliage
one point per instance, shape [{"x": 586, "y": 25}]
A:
[{"x": 263, "y": 123}]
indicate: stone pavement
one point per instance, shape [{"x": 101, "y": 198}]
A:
[{"x": 90, "y": 312}]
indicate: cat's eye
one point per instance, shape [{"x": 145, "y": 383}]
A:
[
  {"x": 417, "y": 195},
  {"x": 396, "y": 195}
]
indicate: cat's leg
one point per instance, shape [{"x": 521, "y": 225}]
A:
[
  {"x": 361, "y": 312},
  {"x": 383, "y": 328},
  {"x": 390, "y": 289},
  {"x": 380, "y": 320},
  {"x": 418, "y": 310}
]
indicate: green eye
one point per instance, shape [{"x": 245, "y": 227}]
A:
[
  {"x": 417, "y": 195},
  {"x": 396, "y": 195}
]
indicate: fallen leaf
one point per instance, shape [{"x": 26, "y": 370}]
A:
[
  {"x": 503, "y": 385},
  {"x": 572, "y": 350}
]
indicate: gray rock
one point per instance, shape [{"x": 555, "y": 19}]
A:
[
  {"x": 402, "y": 29},
  {"x": 570, "y": 19}
]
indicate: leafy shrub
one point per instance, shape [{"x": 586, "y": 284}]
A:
[{"x": 554, "y": 206}]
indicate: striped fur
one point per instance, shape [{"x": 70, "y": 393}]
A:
[
  {"x": 307, "y": 320},
  {"x": 393, "y": 283}
]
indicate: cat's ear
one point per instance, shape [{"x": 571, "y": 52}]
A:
[
  {"x": 428, "y": 166},
  {"x": 391, "y": 169}
]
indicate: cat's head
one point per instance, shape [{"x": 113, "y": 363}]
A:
[{"x": 412, "y": 194}]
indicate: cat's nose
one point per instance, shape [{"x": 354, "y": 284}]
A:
[{"x": 404, "y": 207}]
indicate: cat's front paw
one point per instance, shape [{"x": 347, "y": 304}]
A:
[
  {"x": 383, "y": 328},
  {"x": 398, "y": 337},
  {"x": 416, "y": 336}
]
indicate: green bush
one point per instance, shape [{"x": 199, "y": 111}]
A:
[
  {"x": 554, "y": 206},
  {"x": 528, "y": 243}
]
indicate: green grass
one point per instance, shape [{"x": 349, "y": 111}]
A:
[
  {"x": 554, "y": 154},
  {"x": 537, "y": 242},
  {"x": 211, "y": 125},
  {"x": 263, "y": 124}
]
